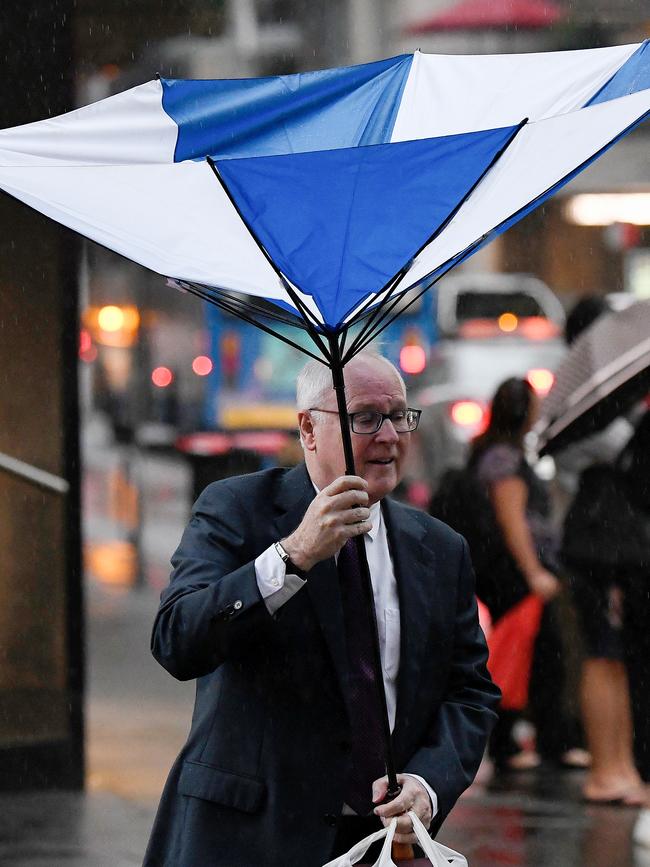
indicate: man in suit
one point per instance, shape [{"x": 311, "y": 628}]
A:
[{"x": 283, "y": 762}]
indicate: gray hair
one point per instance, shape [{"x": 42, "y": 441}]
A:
[
  {"x": 314, "y": 381},
  {"x": 313, "y": 384}
]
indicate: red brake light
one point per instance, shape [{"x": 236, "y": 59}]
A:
[
  {"x": 412, "y": 358},
  {"x": 202, "y": 365},
  {"x": 467, "y": 413},
  {"x": 530, "y": 327},
  {"x": 538, "y": 328},
  {"x": 478, "y": 328},
  {"x": 162, "y": 377}
]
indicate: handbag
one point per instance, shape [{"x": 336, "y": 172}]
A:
[
  {"x": 605, "y": 531},
  {"x": 436, "y": 854},
  {"x": 511, "y": 644}
]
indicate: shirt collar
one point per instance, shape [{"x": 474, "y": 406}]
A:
[{"x": 376, "y": 518}]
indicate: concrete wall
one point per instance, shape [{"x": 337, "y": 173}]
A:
[{"x": 41, "y": 677}]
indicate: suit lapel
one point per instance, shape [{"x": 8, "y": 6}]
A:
[
  {"x": 414, "y": 565},
  {"x": 295, "y": 495}
]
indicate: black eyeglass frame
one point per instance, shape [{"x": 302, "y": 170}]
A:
[{"x": 382, "y": 418}]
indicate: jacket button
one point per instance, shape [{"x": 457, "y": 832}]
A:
[
  {"x": 330, "y": 819},
  {"x": 237, "y": 605}
]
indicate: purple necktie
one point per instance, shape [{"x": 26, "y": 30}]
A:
[{"x": 367, "y": 740}]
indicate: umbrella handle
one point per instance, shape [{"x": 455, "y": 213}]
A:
[{"x": 402, "y": 852}]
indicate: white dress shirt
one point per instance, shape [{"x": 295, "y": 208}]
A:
[{"x": 276, "y": 587}]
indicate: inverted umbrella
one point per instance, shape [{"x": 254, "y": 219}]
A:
[
  {"x": 320, "y": 199},
  {"x": 606, "y": 371}
]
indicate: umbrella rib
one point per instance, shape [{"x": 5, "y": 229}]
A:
[
  {"x": 376, "y": 326},
  {"x": 364, "y": 310},
  {"x": 293, "y": 321},
  {"x": 391, "y": 319},
  {"x": 305, "y": 313},
  {"x": 433, "y": 277},
  {"x": 371, "y": 316},
  {"x": 224, "y": 304}
]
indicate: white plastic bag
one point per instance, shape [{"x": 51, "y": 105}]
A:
[{"x": 438, "y": 855}]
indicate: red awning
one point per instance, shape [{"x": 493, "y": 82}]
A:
[{"x": 482, "y": 15}]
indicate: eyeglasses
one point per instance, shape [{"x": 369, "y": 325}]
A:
[{"x": 368, "y": 421}]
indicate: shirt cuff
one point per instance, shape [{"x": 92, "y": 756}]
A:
[
  {"x": 275, "y": 585},
  {"x": 432, "y": 795}
]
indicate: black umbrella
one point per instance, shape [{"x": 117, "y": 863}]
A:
[{"x": 606, "y": 371}]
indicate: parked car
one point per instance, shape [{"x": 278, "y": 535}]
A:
[{"x": 492, "y": 326}]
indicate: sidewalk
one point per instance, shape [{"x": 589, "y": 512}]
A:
[
  {"x": 136, "y": 719},
  {"x": 60, "y": 829}
]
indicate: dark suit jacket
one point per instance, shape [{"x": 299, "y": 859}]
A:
[{"x": 261, "y": 779}]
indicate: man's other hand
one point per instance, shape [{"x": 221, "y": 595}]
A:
[
  {"x": 412, "y": 797},
  {"x": 339, "y": 512}
]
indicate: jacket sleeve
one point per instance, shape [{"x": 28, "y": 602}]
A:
[
  {"x": 457, "y": 736},
  {"x": 212, "y": 607}
]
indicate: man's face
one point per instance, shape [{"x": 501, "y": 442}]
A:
[{"x": 370, "y": 384}]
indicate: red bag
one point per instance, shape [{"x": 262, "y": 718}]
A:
[{"x": 511, "y": 644}]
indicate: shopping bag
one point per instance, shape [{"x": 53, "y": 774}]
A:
[
  {"x": 511, "y": 644},
  {"x": 437, "y": 855}
]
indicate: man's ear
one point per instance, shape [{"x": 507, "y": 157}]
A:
[{"x": 306, "y": 427}]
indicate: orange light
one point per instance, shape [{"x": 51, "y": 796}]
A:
[
  {"x": 162, "y": 377},
  {"x": 112, "y": 563},
  {"x": 202, "y": 365},
  {"x": 541, "y": 380},
  {"x": 112, "y": 325},
  {"x": 467, "y": 413},
  {"x": 412, "y": 359},
  {"x": 110, "y": 318},
  {"x": 508, "y": 322}
]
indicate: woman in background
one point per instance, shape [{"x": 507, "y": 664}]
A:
[{"x": 528, "y": 565}]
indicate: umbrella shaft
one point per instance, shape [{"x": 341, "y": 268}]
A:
[{"x": 339, "y": 387}]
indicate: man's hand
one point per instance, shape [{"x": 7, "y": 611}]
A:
[
  {"x": 412, "y": 797},
  {"x": 337, "y": 513}
]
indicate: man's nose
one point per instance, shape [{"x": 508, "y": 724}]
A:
[{"x": 387, "y": 432}]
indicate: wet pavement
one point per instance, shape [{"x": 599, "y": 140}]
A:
[{"x": 138, "y": 716}]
